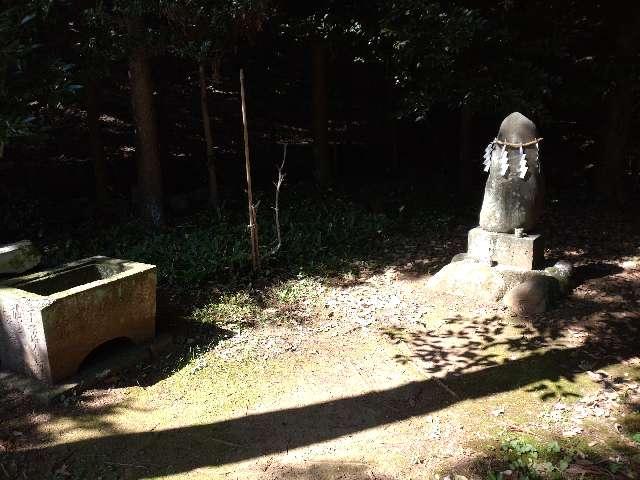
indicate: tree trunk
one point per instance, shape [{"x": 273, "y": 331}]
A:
[
  {"x": 320, "y": 107},
  {"x": 149, "y": 168},
  {"x": 97, "y": 148},
  {"x": 620, "y": 104},
  {"x": 392, "y": 126},
  {"x": 464, "y": 161},
  {"x": 208, "y": 138},
  {"x": 612, "y": 165}
]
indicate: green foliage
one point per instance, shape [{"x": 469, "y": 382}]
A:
[
  {"x": 32, "y": 78},
  {"x": 202, "y": 29},
  {"x": 319, "y": 236},
  {"x": 426, "y": 42},
  {"x": 527, "y": 461}
]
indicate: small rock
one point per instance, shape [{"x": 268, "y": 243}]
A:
[
  {"x": 572, "y": 432},
  {"x": 531, "y": 297}
]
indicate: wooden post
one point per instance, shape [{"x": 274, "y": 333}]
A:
[{"x": 253, "y": 227}]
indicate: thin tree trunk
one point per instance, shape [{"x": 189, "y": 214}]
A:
[
  {"x": 149, "y": 168},
  {"x": 97, "y": 148},
  {"x": 464, "y": 161},
  {"x": 320, "y": 121},
  {"x": 208, "y": 138},
  {"x": 392, "y": 124}
]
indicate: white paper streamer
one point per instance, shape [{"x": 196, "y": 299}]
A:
[
  {"x": 504, "y": 161},
  {"x": 488, "y": 155},
  {"x": 488, "y": 150},
  {"x": 522, "y": 167},
  {"x": 487, "y": 162}
]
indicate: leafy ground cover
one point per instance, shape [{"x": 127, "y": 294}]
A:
[{"x": 336, "y": 361}]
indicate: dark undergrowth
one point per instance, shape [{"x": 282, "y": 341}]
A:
[{"x": 322, "y": 235}]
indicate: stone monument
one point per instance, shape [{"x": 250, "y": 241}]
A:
[{"x": 505, "y": 251}]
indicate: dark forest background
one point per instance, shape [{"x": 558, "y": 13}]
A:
[{"x": 128, "y": 113}]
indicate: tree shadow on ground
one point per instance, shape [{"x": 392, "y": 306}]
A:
[
  {"x": 171, "y": 451},
  {"x": 590, "y": 271},
  {"x": 326, "y": 471}
]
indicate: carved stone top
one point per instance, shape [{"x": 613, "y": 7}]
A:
[{"x": 514, "y": 192}]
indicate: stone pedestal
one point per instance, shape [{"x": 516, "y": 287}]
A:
[
  {"x": 494, "y": 264},
  {"x": 526, "y": 253}
]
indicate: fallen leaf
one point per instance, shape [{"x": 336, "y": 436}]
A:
[{"x": 63, "y": 470}]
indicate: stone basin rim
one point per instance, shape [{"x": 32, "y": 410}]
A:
[{"x": 13, "y": 285}]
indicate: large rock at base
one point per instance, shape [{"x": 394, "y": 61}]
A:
[
  {"x": 473, "y": 279},
  {"x": 16, "y": 258},
  {"x": 510, "y": 201},
  {"x": 469, "y": 279}
]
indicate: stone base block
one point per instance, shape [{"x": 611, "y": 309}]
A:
[
  {"x": 526, "y": 253},
  {"x": 50, "y": 321}
]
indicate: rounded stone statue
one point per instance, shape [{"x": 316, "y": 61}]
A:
[{"x": 514, "y": 193}]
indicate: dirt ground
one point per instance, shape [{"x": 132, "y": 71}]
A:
[{"x": 367, "y": 377}]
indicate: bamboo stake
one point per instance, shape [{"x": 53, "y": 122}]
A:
[{"x": 253, "y": 227}]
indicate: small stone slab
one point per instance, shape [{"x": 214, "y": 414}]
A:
[
  {"x": 17, "y": 258},
  {"x": 526, "y": 253}
]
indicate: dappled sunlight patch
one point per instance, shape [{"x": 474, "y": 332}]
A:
[
  {"x": 459, "y": 345},
  {"x": 230, "y": 310},
  {"x": 282, "y": 302},
  {"x": 301, "y": 289}
]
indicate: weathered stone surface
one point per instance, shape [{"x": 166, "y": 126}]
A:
[
  {"x": 510, "y": 201},
  {"x": 562, "y": 271},
  {"x": 469, "y": 279},
  {"x": 17, "y": 258},
  {"x": 50, "y": 321},
  {"x": 532, "y": 296},
  {"x": 473, "y": 279},
  {"x": 506, "y": 249}
]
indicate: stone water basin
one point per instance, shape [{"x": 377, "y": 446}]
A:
[{"x": 50, "y": 321}]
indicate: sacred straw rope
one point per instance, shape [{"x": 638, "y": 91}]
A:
[{"x": 517, "y": 145}]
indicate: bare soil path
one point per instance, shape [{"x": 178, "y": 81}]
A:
[{"x": 374, "y": 377}]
